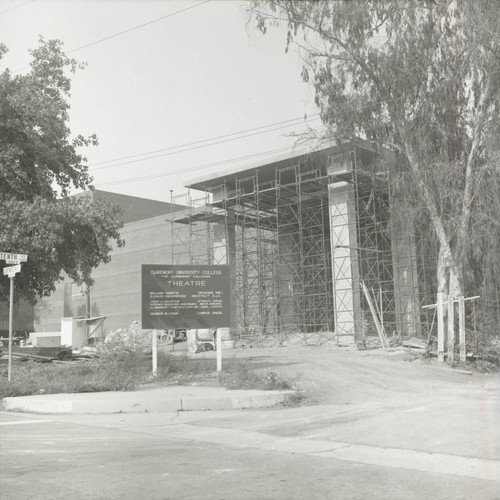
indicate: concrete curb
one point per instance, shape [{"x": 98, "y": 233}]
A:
[{"x": 163, "y": 400}]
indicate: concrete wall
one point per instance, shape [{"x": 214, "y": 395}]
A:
[
  {"x": 116, "y": 293},
  {"x": 23, "y": 316}
]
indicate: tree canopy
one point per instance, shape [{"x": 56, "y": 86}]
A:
[
  {"x": 39, "y": 165},
  {"x": 421, "y": 78}
]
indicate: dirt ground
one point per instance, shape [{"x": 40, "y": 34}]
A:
[{"x": 335, "y": 375}]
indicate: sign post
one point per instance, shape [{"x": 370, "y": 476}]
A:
[
  {"x": 16, "y": 259},
  {"x": 154, "y": 351},
  {"x": 219, "y": 349},
  {"x": 187, "y": 297}
]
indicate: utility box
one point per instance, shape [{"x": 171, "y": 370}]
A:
[
  {"x": 73, "y": 332},
  {"x": 45, "y": 339}
]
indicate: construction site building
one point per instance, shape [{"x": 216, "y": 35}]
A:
[{"x": 320, "y": 248}]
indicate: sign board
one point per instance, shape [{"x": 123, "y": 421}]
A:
[
  {"x": 11, "y": 271},
  {"x": 190, "y": 296},
  {"x": 13, "y": 258}
]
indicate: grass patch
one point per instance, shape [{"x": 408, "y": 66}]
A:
[
  {"x": 129, "y": 370},
  {"x": 243, "y": 377}
]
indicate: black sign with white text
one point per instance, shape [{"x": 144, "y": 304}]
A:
[{"x": 190, "y": 296}]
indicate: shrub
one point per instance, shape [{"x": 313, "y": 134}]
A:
[
  {"x": 126, "y": 369},
  {"x": 243, "y": 377},
  {"x": 486, "y": 350}
]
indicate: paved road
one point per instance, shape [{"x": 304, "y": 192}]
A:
[{"x": 421, "y": 448}]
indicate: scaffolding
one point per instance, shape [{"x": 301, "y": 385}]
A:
[
  {"x": 304, "y": 287},
  {"x": 198, "y": 231},
  {"x": 314, "y": 250}
]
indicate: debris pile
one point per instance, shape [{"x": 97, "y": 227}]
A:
[
  {"x": 132, "y": 338},
  {"x": 39, "y": 354}
]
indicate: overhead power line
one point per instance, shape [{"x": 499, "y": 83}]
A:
[
  {"x": 195, "y": 146},
  {"x": 200, "y": 144},
  {"x": 15, "y": 7},
  {"x": 138, "y": 27},
  {"x": 305, "y": 118},
  {"x": 231, "y": 160},
  {"x": 114, "y": 35},
  {"x": 190, "y": 169}
]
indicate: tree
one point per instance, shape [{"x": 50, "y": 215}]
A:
[
  {"x": 39, "y": 164},
  {"x": 421, "y": 78}
]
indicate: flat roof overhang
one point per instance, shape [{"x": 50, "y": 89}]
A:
[{"x": 266, "y": 169}]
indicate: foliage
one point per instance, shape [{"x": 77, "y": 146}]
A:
[
  {"x": 484, "y": 349},
  {"x": 121, "y": 370},
  {"x": 70, "y": 235},
  {"x": 246, "y": 378},
  {"x": 36, "y": 151},
  {"x": 39, "y": 164},
  {"x": 34, "y": 378},
  {"x": 421, "y": 79},
  {"x": 128, "y": 369}
]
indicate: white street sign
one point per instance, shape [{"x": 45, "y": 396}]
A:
[
  {"x": 11, "y": 271},
  {"x": 14, "y": 258}
]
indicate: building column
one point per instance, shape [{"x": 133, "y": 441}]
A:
[{"x": 345, "y": 272}]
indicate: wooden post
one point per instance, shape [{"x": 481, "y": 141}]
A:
[
  {"x": 218, "y": 340},
  {"x": 440, "y": 326},
  {"x": 380, "y": 328},
  {"x": 461, "y": 328},
  {"x": 451, "y": 330},
  {"x": 154, "y": 352},
  {"x": 87, "y": 310}
]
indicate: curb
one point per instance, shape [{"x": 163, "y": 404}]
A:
[{"x": 140, "y": 402}]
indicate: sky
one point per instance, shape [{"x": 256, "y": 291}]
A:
[{"x": 174, "y": 90}]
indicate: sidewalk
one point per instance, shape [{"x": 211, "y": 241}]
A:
[{"x": 160, "y": 400}]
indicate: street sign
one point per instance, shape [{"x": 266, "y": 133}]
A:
[
  {"x": 12, "y": 271},
  {"x": 13, "y": 258}
]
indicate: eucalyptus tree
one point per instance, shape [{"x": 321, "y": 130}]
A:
[
  {"x": 39, "y": 165},
  {"x": 421, "y": 78}
]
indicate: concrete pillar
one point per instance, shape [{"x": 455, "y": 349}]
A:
[{"x": 345, "y": 271}]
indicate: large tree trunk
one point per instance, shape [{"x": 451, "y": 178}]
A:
[{"x": 450, "y": 287}]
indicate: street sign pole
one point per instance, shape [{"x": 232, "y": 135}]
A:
[
  {"x": 11, "y": 317},
  {"x": 15, "y": 259}
]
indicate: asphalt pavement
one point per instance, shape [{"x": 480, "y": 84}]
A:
[
  {"x": 389, "y": 450},
  {"x": 162, "y": 443}
]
